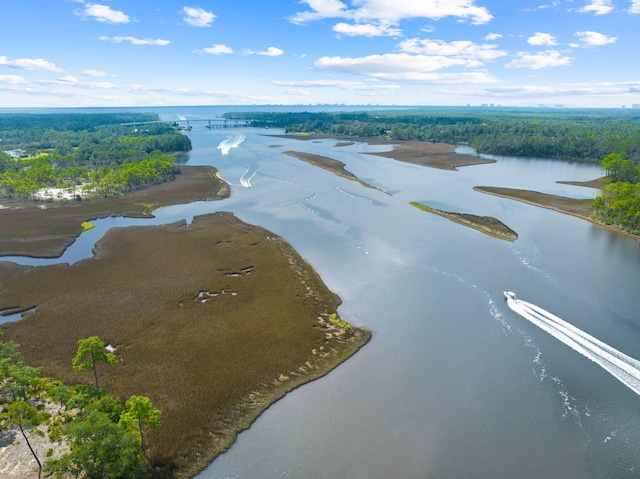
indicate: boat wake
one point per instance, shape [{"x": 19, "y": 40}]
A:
[
  {"x": 232, "y": 141},
  {"x": 624, "y": 368},
  {"x": 246, "y": 181}
]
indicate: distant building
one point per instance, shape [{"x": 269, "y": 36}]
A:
[{"x": 17, "y": 153}]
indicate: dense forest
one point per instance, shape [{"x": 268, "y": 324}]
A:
[
  {"x": 619, "y": 203},
  {"x": 586, "y": 135},
  {"x": 611, "y": 137},
  {"x": 91, "y": 154}
]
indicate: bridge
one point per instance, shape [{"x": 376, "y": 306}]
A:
[{"x": 215, "y": 123}]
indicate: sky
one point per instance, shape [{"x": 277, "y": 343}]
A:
[{"x": 75, "y": 53}]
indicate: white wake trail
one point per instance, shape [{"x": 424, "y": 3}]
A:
[
  {"x": 246, "y": 182},
  {"x": 232, "y": 141},
  {"x": 624, "y": 368}
]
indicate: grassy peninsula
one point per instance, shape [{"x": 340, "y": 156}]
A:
[
  {"x": 485, "y": 224},
  {"x": 329, "y": 164},
  {"x": 213, "y": 321}
]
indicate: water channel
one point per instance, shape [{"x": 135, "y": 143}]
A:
[{"x": 454, "y": 383}]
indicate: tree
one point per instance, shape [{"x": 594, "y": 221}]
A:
[
  {"x": 91, "y": 350},
  {"x": 100, "y": 449},
  {"x": 140, "y": 412},
  {"x": 24, "y": 416}
]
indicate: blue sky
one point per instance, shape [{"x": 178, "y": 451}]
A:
[{"x": 56, "y": 53}]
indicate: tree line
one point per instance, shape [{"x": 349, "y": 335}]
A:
[
  {"x": 105, "y": 435},
  {"x": 105, "y": 159},
  {"x": 586, "y": 135},
  {"x": 619, "y": 202}
]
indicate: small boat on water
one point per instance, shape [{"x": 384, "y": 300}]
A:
[{"x": 510, "y": 295}]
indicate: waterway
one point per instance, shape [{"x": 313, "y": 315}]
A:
[{"x": 455, "y": 383}]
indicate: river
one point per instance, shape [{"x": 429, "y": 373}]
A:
[{"x": 454, "y": 383}]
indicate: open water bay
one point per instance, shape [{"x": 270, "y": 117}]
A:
[{"x": 454, "y": 383}]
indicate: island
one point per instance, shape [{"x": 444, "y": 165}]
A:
[
  {"x": 485, "y": 224},
  {"x": 330, "y": 164}
]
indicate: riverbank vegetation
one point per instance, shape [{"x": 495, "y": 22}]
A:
[
  {"x": 89, "y": 433},
  {"x": 610, "y": 137},
  {"x": 619, "y": 203},
  {"x": 586, "y": 135},
  {"x": 213, "y": 322},
  {"x": 75, "y": 156}
]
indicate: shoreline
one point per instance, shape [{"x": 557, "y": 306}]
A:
[
  {"x": 46, "y": 229},
  {"x": 272, "y": 333},
  {"x": 570, "y": 206},
  {"x": 433, "y": 155},
  {"x": 330, "y": 164},
  {"x": 484, "y": 224}
]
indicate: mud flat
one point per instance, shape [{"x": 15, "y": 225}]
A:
[
  {"x": 582, "y": 208},
  {"x": 329, "y": 164},
  {"x": 433, "y": 155}
]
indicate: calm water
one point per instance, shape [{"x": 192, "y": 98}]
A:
[{"x": 454, "y": 384}]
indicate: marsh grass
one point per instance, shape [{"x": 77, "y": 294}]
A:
[
  {"x": 211, "y": 363},
  {"x": 44, "y": 229}
]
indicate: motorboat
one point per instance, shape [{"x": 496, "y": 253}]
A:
[{"x": 510, "y": 295}]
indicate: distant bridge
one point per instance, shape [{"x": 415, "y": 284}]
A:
[{"x": 216, "y": 122}]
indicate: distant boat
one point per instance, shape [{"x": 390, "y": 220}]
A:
[{"x": 510, "y": 295}]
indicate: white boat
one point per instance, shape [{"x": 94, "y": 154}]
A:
[{"x": 510, "y": 295}]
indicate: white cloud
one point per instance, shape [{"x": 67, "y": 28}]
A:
[
  {"x": 493, "y": 36},
  {"x": 103, "y": 13},
  {"x": 12, "y": 80},
  {"x": 604, "y": 89},
  {"x": 135, "y": 41},
  {"x": 30, "y": 64},
  {"x": 542, "y": 39},
  {"x": 542, "y": 7},
  {"x": 635, "y": 7},
  {"x": 198, "y": 17},
  {"x": 269, "y": 52},
  {"x": 595, "y": 39},
  {"x": 458, "y": 48},
  {"x": 598, "y": 7},
  {"x": 321, "y": 9},
  {"x": 392, "y": 11},
  {"x": 217, "y": 49},
  {"x": 90, "y": 72},
  {"x": 66, "y": 81},
  {"x": 366, "y": 30},
  {"x": 404, "y": 67},
  {"x": 536, "y": 61}
]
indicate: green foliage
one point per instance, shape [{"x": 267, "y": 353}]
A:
[
  {"x": 140, "y": 414},
  {"x": 619, "y": 201},
  {"x": 339, "y": 322},
  {"x": 25, "y": 417},
  {"x": 96, "y": 151},
  {"x": 91, "y": 350},
  {"x": 105, "y": 436},
  {"x": 100, "y": 448},
  {"x": 575, "y": 134}
]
